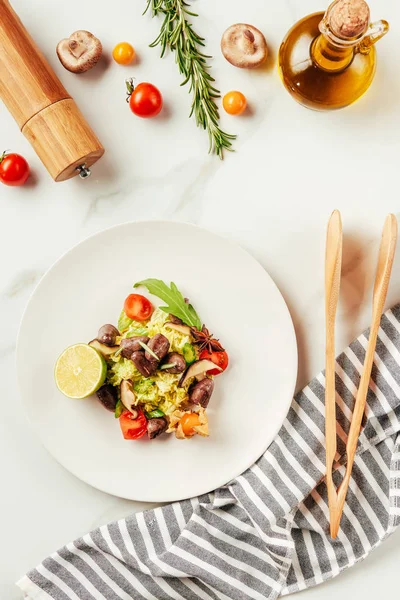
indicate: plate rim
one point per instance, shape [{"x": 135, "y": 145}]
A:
[{"x": 293, "y": 352}]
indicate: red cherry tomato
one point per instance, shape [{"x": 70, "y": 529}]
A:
[
  {"x": 218, "y": 358},
  {"x": 146, "y": 100},
  {"x": 133, "y": 428},
  {"x": 138, "y": 307},
  {"x": 14, "y": 170}
]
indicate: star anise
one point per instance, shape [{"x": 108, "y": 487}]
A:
[{"x": 204, "y": 339}]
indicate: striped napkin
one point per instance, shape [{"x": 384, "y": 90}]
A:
[{"x": 266, "y": 533}]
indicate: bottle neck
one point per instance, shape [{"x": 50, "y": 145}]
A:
[
  {"x": 333, "y": 52},
  {"x": 329, "y": 56}
]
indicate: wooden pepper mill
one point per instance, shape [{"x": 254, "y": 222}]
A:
[{"x": 42, "y": 107}]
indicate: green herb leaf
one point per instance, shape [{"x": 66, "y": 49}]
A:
[
  {"x": 154, "y": 414},
  {"x": 168, "y": 366},
  {"x": 119, "y": 409},
  {"x": 176, "y": 304},
  {"x": 117, "y": 353},
  {"x": 149, "y": 350},
  {"x": 124, "y": 322}
]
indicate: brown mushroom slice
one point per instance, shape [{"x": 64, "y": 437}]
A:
[
  {"x": 128, "y": 397},
  {"x": 106, "y": 351},
  {"x": 197, "y": 368},
  {"x": 244, "y": 46},
  {"x": 80, "y": 52},
  {"x": 181, "y": 328},
  {"x": 174, "y": 319}
]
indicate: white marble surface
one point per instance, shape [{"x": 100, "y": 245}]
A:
[{"x": 273, "y": 196}]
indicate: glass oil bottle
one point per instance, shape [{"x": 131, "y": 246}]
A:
[{"x": 327, "y": 61}]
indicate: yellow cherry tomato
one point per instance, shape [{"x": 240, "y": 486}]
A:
[
  {"x": 123, "y": 53},
  {"x": 234, "y": 103}
]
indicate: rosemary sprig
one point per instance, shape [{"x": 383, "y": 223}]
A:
[{"x": 177, "y": 34}]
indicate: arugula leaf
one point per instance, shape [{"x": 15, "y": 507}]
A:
[{"x": 176, "y": 304}]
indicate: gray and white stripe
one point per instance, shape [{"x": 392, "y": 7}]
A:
[{"x": 266, "y": 533}]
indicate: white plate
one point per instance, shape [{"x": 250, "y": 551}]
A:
[{"x": 236, "y": 299}]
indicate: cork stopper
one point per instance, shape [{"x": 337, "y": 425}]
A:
[{"x": 349, "y": 18}]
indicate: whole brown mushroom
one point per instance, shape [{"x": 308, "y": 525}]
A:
[
  {"x": 80, "y": 52},
  {"x": 244, "y": 46}
]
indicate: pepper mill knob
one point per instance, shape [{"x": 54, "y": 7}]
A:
[{"x": 83, "y": 171}]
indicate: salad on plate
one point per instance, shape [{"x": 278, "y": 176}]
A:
[{"x": 155, "y": 371}]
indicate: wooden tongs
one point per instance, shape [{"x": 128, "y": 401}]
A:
[{"x": 333, "y": 263}]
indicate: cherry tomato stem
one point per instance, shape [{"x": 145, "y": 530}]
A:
[{"x": 145, "y": 100}]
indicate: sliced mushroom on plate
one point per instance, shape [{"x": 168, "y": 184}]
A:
[
  {"x": 106, "y": 351},
  {"x": 198, "y": 368},
  {"x": 128, "y": 397},
  {"x": 178, "y": 327}
]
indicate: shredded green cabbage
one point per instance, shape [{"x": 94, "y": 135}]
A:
[
  {"x": 123, "y": 322},
  {"x": 157, "y": 325},
  {"x": 122, "y": 369},
  {"x": 160, "y": 391}
]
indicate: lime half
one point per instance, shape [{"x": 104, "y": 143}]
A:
[{"x": 80, "y": 371}]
